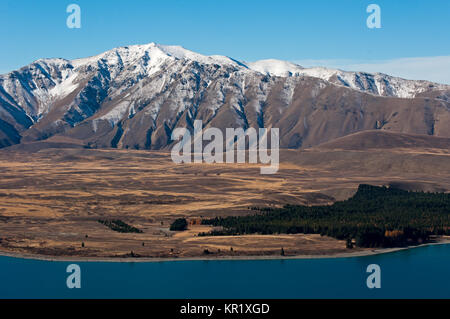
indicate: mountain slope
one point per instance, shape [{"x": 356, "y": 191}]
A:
[
  {"x": 367, "y": 140},
  {"x": 133, "y": 97}
]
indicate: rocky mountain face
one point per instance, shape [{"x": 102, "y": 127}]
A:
[{"x": 134, "y": 97}]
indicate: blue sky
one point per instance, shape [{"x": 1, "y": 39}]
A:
[{"x": 328, "y": 32}]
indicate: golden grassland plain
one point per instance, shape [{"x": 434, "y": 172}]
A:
[{"x": 51, "y": 200}]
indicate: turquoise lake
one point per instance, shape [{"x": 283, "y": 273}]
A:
[{"x": 414, "y": 273}]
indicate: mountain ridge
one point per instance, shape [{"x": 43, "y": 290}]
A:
[{"x": 134, "y": 96}]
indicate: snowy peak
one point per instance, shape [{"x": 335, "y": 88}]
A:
[{"x": 154, "y": 54}]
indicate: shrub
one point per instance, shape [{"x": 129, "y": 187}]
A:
[{"x": 179, "y": 224}]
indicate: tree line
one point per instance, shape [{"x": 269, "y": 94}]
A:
[{"x": 373, "y": 217}]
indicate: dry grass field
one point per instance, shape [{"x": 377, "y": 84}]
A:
[{"x": 51, "y": 200}]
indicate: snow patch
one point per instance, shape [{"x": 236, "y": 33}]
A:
[{"x": 117, "y": 113}]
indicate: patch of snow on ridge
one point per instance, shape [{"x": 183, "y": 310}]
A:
[
  {"x": 117, "y": 113},
  {"x": 181, "y": 53},
  {"x": 275, "y": 67},
  {"x": 65, "y": 87},
  {"x": 320, "y": 72}
]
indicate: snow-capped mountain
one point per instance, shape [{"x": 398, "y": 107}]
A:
[{"x": 135, "y": 96}]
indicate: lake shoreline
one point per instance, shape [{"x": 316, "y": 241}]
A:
[{"x": 443, "y": 241}]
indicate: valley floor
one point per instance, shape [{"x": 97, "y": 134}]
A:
[{"x": 51, "y": 200}]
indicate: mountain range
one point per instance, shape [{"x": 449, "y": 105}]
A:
[{"x": 135, "y": 96}]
